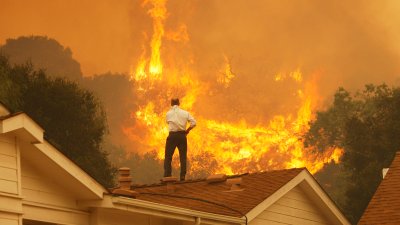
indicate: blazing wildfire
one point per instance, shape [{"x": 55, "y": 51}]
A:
[
  {"x": 272, "y": 85},
  {"x": 218, "y": 144}
]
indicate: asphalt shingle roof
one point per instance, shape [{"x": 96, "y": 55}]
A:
[
  {"x": 384, "y": 207},
  {"x": 217, "y": 197}
]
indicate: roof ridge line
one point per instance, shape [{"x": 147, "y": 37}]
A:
[{"x": 137, "y": 186}]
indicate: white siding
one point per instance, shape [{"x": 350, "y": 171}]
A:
[
  {"x": 293, "y": 208},
  {"x": 8, "y": 166},
  {"x": 10, "y": 200},
  {"x": 55, "y": 215},
  {"x": 114, "y": 217},
  {"x": 40, "y": 189},
  {"x": 46, "y": 200},
  {"x": 8, "y": 219}
]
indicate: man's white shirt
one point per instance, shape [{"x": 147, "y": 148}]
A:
[{"x": 178, "y": 118}]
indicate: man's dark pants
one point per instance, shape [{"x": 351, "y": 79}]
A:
[{"x": 175, "y": 139}]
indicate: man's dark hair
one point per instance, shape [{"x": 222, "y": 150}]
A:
[{"x": 174, "y": 101}]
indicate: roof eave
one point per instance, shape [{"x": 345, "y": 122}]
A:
[
  {"x": 161, "y": 210},
  {"x": 26, "y": 129},
  {"x": 22, "y": 125}
]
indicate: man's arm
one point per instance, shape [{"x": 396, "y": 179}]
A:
[{"x": 192, "y": 122}]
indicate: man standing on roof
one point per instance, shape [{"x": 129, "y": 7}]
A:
[{"x": 177, "y": 120}]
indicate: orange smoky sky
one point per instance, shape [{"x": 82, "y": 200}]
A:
[
  {"x": 331, "y": 43},
  {"x": 350, "y": 42}
]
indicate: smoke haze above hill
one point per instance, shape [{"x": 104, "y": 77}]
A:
[
  {"x": 350, "y": 42},
  {"x": 342, "y": 43}
]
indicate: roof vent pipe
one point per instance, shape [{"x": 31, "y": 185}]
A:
[
  {"x": 124, "y": 183},
  {"x": 170, "y": 183},
  {"x": 216, "y": 178},
  {"x": 235, "y": 183}
]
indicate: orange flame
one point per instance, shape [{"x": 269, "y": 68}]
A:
[
  {"x": 215, "y": 146},
  {"x": 226, "y": 74},
  {"x": 159, "y": 14}
]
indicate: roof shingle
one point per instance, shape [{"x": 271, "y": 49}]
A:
[
  {"x": 384, "y": 207},
  {"x": 217, "y": 197}
]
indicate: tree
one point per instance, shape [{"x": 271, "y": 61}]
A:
[
  {"x": 367, "y": 126},
  {"x": 117, "y": 94},
  {"x": 73, "y": 119},
  {"x": 146, "y": 168},
  {"x": 43, "y": 53},
  {"x": 9, "y": 91}
]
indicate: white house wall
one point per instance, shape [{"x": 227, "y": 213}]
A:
[
  {"x": 10, "y": 191},
  {"x": 46, "y": 200},
  {"x": 293, "y": 208},
  {"x": 8, "y": 166},
  {"x": 115, "y": 217},
  {"x": 37, "y": 188},
  {"x": 103, "y": 216}
]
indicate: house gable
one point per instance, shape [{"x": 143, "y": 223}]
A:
[
  {"x": 27, "y": 141},
  {"x": 38, "y": 182},
  {"x": 306, "y": 190},
  {"x": 292, "y": 208}
]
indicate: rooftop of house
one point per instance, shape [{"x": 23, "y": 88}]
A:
[
  {"x": 384, "y": 207},
  {"x": 219, "y": 197}
]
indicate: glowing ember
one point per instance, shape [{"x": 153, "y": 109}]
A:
[{"x": 215, "y": 146}]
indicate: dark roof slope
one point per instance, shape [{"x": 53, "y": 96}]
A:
[
  {"x": 384, "y": 208},
  {"x": 217, "y": 197}
]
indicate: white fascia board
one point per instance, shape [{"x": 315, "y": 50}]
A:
[
  {"x": 71, "y": 168},
  {"x": 161, "y": 210},
  {"x": 176, "y": 210},
  {"x": 22, "y": 122}
]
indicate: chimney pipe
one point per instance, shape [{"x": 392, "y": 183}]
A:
[
  {"x": 124, "y": 179},
  {"x": 124, "y": 183}
]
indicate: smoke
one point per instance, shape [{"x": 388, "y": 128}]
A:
[
  {"x": 344, "y": 43},
  {"x": 98, "y": 32},
  {"x": 351, "y": 42},
  {"x": 340, "y": 43}
]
